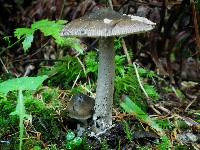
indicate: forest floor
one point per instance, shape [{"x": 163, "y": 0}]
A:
[{"x": 162, "y": 113}]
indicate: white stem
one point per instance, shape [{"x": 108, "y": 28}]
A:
[{"x": 105, "y": 84}]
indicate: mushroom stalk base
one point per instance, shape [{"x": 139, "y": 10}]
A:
[{"x": 105, "y": 85}]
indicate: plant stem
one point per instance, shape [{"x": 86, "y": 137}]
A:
[
  {"x": 21, "y": 118},
  {"x": 140, "y": 83}
]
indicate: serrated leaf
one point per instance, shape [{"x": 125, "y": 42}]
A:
[
  {"x": 49, "y": 28},
  {"x": 19, "y": 32},
  {"x": 53, "y": 28},
  {"x": 23, "y": 83},
  {"x": 40, "y": 24}
]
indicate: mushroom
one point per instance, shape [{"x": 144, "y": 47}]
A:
[
  {"x": 106, "y": 24},
  {"x": 81, "y": 107}
]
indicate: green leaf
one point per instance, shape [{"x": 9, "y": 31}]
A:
[
  {"x": 23, "y": 83},
  {"x": 20, "y": 108},
  {"x": 76, "y": 45},
  {"x": 20, "y": 111},
  {"x": 48, "y": 28},
  {"x": 27, "y": 33},
  {"x": 27, "y": 42},
  {"x": 165, "y": 144},
  {"x": 53, "y": 28},
  {"x": 19, "y": 32},
  {"x": 130, "y": 107}
]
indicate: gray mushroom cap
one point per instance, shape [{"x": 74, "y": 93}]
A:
[
  {"x": 81, "y": 107},
  {"x": 106, "y": 23}
]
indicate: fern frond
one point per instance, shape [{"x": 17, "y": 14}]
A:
[
  {"x": 48, "y": 28},
  {"x": 20, "y": 32}
]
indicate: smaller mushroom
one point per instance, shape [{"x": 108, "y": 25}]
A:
[{"x": 81, "y": 107}]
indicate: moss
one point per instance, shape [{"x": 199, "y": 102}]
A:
[
  {"x": 31, "y": 144},
  {"x": 45, "y": 119}
]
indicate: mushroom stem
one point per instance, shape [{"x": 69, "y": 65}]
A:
[{"x": 105, "y": 84}]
